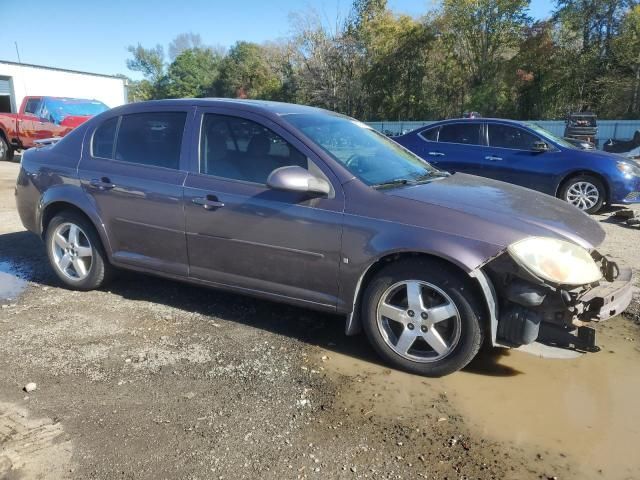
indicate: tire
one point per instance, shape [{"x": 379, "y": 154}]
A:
[
  {"x": 439, "y": 285},
  {"x": 88, "y": 267},
  {"x": 580, "y": 191},
  {"x": 6, "y": 152}
]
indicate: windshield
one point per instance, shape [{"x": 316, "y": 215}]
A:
[
  {"x": 365, "y": 152},
  {"x": 57, "y": 109},
  {"x": 546, "y": 134}
]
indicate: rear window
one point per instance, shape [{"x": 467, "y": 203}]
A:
[
  {"x": 153, "y": 138},
  {"x": 104, "y": 138},
  {"x": 465, "y": 133}
]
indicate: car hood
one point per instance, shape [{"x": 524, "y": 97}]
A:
[
  {"x": 599, "y": 154},
  {"x": 520, "y": 211}
]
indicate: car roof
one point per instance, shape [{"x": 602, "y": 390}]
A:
[
  {"x": 258, "y": 106},
  {"x": 482, "y": 119}
]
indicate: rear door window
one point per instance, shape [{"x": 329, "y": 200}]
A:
[
  {"x": 153, "y": 138},
  {"x": 430, "y": 134},
  {"x": 464, "y": 133},
  {"x": 506, "y": 136},
  {"x": 104, "y": 138}
]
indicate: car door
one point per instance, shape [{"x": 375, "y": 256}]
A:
[
  {"x": 511, "y": 158},
  {"x": 47, "y": 126},
  {"x": 29, "y": 122},
  {"x": 459, "y": 147},
  {"x": 244, "y": 234},
  {"x": 133, "y": 168}
]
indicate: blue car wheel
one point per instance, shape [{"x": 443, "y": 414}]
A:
[{"x": 585, "y": 192}]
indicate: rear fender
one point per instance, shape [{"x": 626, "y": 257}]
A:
[{"x": 73, "y": 196}]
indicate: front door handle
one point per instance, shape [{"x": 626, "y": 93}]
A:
[
  {"x": 435, "y": 154},
  {"x": 102, "y": 183},
  {"x": 210, "y": 202},
  {"x": 493, "y": 158}
]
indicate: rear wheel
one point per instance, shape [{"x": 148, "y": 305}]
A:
[
  {"x": 585, "y": 192},
  {"x": 6, "y": 152},
  {"x": 75, "y": 252},
  {"x": 422, "y": 317}
]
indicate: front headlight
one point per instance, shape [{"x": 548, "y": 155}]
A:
[
  {"x": 628, "y": 169},
  {"x": 555, "y": 260}
]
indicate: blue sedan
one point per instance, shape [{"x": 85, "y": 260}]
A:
[{"x": 528, "y": 155}]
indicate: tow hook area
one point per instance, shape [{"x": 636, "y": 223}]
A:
[{"x": 556, "y": 336}]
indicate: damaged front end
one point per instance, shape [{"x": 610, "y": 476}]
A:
[{"x": 531, "y": 309}]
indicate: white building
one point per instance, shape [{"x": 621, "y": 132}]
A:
[{"x": 18, "y": 80}]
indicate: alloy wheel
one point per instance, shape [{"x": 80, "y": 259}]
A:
[
  {"x": 72, "y": 251},
  {"x": 583, "y": 195},
  {"x": 418, "y": 321}
]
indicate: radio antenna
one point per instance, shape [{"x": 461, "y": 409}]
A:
[{"x": 17, "y": 52}]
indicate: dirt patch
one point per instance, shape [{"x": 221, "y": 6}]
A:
[
  {"x": 571, "y": 416},
  {"x": 32, "y": 447}
]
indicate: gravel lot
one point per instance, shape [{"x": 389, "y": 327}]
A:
[{"x": 151, "y": 378}]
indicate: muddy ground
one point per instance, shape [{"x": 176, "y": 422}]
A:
[{"x": 154, "y": 379}]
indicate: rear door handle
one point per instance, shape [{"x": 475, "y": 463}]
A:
[
  {"x": 102, "y": 183},
  {"x": 435, "y": 154},
  {"x": 492, "y": 158},
  {"x": 210, "y": 202}
]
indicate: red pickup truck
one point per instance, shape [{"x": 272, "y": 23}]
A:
[{"x": 41, "y": 118}]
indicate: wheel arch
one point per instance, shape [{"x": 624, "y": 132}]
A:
[
  {"x": 354, "y": 324},
  {"x": 54, "y": 206},
  {"x": 575, "y": 173}
]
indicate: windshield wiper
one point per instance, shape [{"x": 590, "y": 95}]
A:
[
  {"x": 391, "y": 183},
  {"x": 430, "y": 175}
]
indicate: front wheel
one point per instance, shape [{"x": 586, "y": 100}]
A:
[
  {"x": 585, "y": 192},
  {"x": 423, "y": 317}
]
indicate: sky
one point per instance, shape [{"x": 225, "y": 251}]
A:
[{"x": 93, "y": 35}]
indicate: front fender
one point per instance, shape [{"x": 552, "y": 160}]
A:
[{"x": 366, "y": 244}]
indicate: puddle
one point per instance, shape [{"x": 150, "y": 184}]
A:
[
  {"x": 11, "y": 285},
  {"x": 582, "y": 411}
]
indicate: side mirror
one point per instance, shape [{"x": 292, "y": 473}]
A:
[
  {"x": 540, "y": 147},
  {"x": 297, "y": 179}
]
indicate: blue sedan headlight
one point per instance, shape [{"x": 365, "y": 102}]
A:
[{"x": 629, "y": 169}]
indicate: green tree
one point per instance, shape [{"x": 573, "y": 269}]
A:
[
  {"x": 596, "y": 22},
  {"x": 148, "y": 61},
  {"x": 396, "y": 50},
  {"x": 482, "y": 35},
  {"x": 627, "y": 53},
  {"x": 192, "y": 74},
  {"x": 245, "y": 73},
  {"x": 534, "y": 75}
]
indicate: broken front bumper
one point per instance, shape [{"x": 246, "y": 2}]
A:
[
  {"x": 531, "y": 311},
  {"x": 610, "y": 298}
]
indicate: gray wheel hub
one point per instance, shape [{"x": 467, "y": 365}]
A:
[
  {"x": 72, "y": 251},
  {"x": 584, "y": 195},
  {"x": 418, "y": 321}
]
